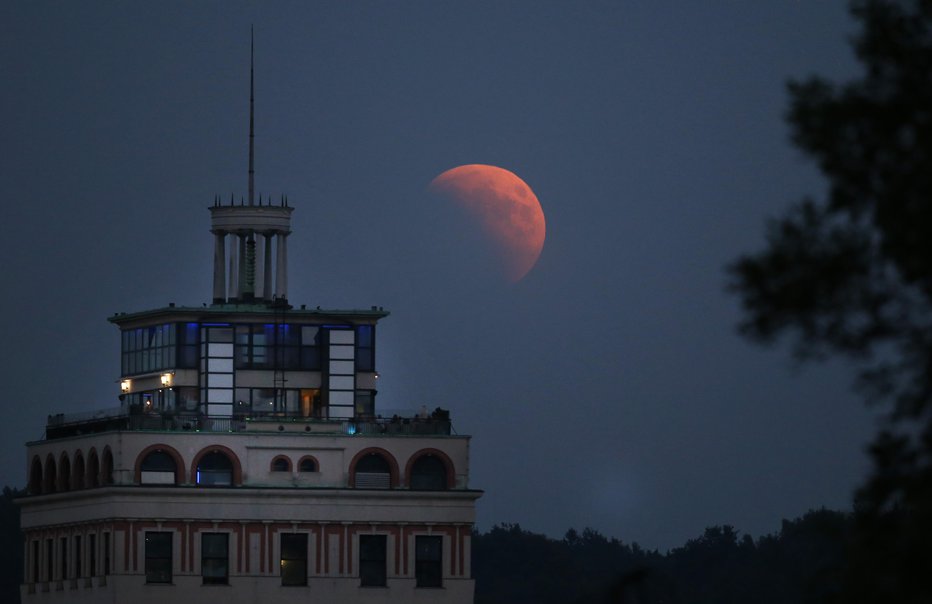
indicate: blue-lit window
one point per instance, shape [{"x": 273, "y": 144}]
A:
[
  {"x": 365, "y": 348},
  {"x": 215, "y": 469}
]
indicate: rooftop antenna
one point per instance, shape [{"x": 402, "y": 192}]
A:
[{"x": 252, "y": 171}]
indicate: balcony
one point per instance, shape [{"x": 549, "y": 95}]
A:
[{"x": 401, "y": 423}]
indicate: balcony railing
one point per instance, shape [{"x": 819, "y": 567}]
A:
[{"x": 61, "y": 425}]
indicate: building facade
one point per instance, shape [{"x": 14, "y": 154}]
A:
[{"x": 247, "y": 460}]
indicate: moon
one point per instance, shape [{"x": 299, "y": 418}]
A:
[{"x": 506, "y": 209}]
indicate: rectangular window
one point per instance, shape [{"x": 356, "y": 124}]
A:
[
  {"x": 428, "y": 561},
  {"x": 64, "y": 558},
  {"x": 158, "y": 557},
  {"x": 92, "y": 554},
  {"x": 372, "y": 560},
  {"x": 215, "y": 562},
  {"x": 78, "y": 570},
  {"x": 49, "y": 559},
  {"x": 294, "y": 558},
  {"x": 106, "y": 553},
  {"x": 35, "y": 562}
]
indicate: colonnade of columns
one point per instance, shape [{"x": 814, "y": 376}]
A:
[{"x": 250, "y": 266}]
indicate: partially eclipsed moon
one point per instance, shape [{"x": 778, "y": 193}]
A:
[{"x": 505, "y": 207}]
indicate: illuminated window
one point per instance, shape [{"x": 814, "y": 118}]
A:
[
  {"x": 158, "y": 557},
  {"x": 372, "y": 560},
  {"x": 215, "y": 558},
  {"x": 294, "y": 558},
  {"x": 428, "y": 561}
]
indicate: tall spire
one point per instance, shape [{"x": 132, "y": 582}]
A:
[{"x": 252, "y": 133}]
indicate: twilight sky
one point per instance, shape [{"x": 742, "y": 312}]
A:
[{"x": 608, "y": 388}]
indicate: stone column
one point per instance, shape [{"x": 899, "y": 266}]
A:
[
  {"x": 281, "y": 261},
  {"x": 267, "y": 268}
]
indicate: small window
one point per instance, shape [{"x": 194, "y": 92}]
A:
[
  {"x": 215, "y": 469},
  {"x": 428, "y": 561},
  {"x": 307, "y": 465},
  {"x": 215, "y": 559},
  {"x": 429, "y": 474},
  {"x": 294, "y": 558},
  {"x": 372, "y": 560},
  {"x": 281, "y": 464},
  {"x": 158, "y": 557}
]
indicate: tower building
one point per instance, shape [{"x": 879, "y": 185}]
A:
[{"x": 245, "y": 458}]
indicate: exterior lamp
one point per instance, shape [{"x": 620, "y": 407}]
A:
[
  {"x": 124, "y": 386},
  {"x": 166, "y": 379}
]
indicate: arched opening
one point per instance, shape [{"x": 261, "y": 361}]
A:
[
  {"x": 35, "y": 476},
  {"x": 281, "y": 464},
  {"x": 214, "y": 469},
  {"x": 106, "y": 472},
  {"x": 93, "y": 469},
  {"x": 50, "y": 474},
  {"x": 79, "y": 471},
  {"x": 307, "y": 464},
  {"x": 158, "y": 467},
  {"x": 373, "y": 472},
  {"x": 428, "y": 473},
  {"x": 64, "y": 473}
]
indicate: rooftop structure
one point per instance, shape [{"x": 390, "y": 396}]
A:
[{"x": 245, "y": 450}]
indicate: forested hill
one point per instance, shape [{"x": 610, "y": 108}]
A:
[{"x": 802, "y": 563}]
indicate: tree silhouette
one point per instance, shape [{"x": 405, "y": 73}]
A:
[{"x": 851, "y": 275}]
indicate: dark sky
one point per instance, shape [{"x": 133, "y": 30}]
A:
[{"x": 606, "y": 389}]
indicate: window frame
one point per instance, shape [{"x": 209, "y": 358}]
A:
[
  {"x": 302, "y": 558},
  {"x": 428, "y": 572},
  {"x": 373, "y": 569},
  {"x": 218, "y": 579},
  {"x": 154, "y": 558}
]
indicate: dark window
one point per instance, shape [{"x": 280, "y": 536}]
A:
[
  {"x": 158, "y": 557},
  {"x": 428, "y": 561},
  {"x": 307, "y": 465},
  {"x": 35, "y": 562},
  {"x": 158, "y": 467},
  {"x": 373, "y": 472},
  {"x": 372, "y": 560},
  {"x": 35, "y": 477},
  {"x": 365, "y": 403},
  {"x": 215, "y": 563},
  {"x": 49, "y": 559},
  {"x": 106, "y": 553},
  {"x": 294, "y": 558},
  {"x": 92, "y": 555},
  {"x": 429, "y": 474},
  {"x": 148, "y": 349},
  {"x": 215, "y": 469},
  {"x": 78, "y": 570},
  {"x": 365, "y": 348},
  {"x": 281, "y": 464},
  {"x": 64, "y": 557}
]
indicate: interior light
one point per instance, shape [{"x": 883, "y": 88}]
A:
[{"x": 124, "y": 386}]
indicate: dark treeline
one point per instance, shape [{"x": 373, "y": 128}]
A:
[{"x": 802, "y": 563}]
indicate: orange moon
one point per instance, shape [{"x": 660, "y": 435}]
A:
[{"x": 505, "y": 207}]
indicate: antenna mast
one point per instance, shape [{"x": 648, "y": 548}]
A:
[{"x": 252, "y": 171}]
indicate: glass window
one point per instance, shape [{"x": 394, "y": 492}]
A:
[
  {"x": 307, "y": 465},
  {"x": 429, "y": 474},
  {"x": 372, "y": 560},
  {"x": 158, "y": 467},
  {"x": 78, "y": 569},
  {"x": 294, "y": 558},
  {"x": 92, "y": 554},
  {"x": 215, "y": 560},
  {"x": 373, "y": 472},
  {"x": 280, "y": 464},
  {"x": 64, "y": 557},
  {"x": 215, "y": 469},
  {"x": 106, "y": 553},
  {"x": 428, "y": 561},
  {"x": 158, "y": 557},
  {"x": 49, "y": 559}
]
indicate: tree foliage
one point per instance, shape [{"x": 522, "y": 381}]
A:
[{"x": 851, "y": 274}]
